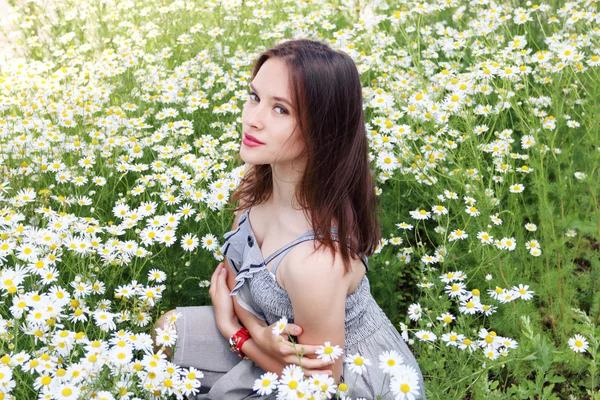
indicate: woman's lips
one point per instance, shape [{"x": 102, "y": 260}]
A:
[{"x": 251, "y": 141}]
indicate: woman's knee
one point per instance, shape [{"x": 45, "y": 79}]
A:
[{"x": 166, "y": 318}]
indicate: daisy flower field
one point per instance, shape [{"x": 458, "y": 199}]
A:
[{"x": 120, "y": 128}]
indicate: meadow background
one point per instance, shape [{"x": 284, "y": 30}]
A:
[{"x": 119, "y": 140}]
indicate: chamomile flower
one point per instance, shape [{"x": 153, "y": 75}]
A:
[
  {"x": 580, "y": 175},
  {"x": 157, "y": 275},
  {"x": 405, "y": 226},
  {"x": 452, "y": 338},
  {"x": 389, "y": 360},
  {"x": 209, "y": 242},
  {"x": 266, "y": 384},
  {"x": 280, "y": 326},
  {"x": 291, "y": 378},
  {"x": 578, "y": 343},
  {"x": 518, "y": 188},
  {"x": 189, "y": 242},
  {"x": 404, "y": 384},
  {"x": 328, "y": 352},
  {"x": 522, "y": 292},
  {"x": 420, "y": 214},
  {"x": 426, "y": 336},
  {"x": 446, "y": 318},
  {"x": 531, "y": 227},
  {"x": 357, "y": 363},
  {"x": 457, "y": 234},
  {"x": 414, "y": 312}
]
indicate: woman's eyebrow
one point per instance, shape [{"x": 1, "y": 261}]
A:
[{"x": 274, "y": 97}]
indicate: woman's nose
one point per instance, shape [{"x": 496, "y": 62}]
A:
[{"x": 255, "y": 116}]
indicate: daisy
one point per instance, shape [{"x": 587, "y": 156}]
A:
[
  {"x": 166, "y": 337},
  {"x": 414, "y": 312},
  {"x": 452, "y": 338},
  {"x": 580, "y": 175},
  {"x": 390, "y": 360},
  {"x": 457, "y": 234},
  {"x": 157, "y": 275},
  {"x": 508, "y": 243},
  {"x": 485, "y": 237},
  {"x": 578, "y": 343},
  {"x": 323, "y": 385},
  {"x": 518, "y": 188},
  {"x": 166, "y": 237},
  {"x": 104, "y": 320},
  {"x": 491, "y": 353},
  {"x": 189, "y": 242},
  {"x": 186, "y": 211},
  {"x": 265, "y": 385},
  {"x": 508, "y": 296},
  {"x": 405, "y": 383},
  {"x": 291, "y": 377},
  {"x": 426, "y": 336},
  {"x": 26, "y": 195},
  {"x": 439, "y": 210},
  {"x": 508, "y": 343},
  {"x": 280, "y": 326},
  {"x": 456, "y": 289},
  {"x": 531, "y": 227},
  {"x": 66, "y": 391},
  {"x": 357, "y": 363},
  {"x": 446, "y": 318},
  {"x": 328, "y": 352},
  {"x": 404, "y": 225},
  {"x": 449, "y": 277},
  {"x": 522, "y": 292},
  {"x": 209, "y": 242},
  {"x": 571, "y": 233},
  {"x": 469, "y": 306},
  {"x": 204, "y": 284},
  {"x": 488, "y": 310},
  {"x": 420, "y": 214},
  {"x": 472, "y": 211},
  {"x": 495, "y": 220},
  {"x": 467, "y": 344}
]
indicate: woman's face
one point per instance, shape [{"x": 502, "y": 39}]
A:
[{"x": 270, "y": 120}]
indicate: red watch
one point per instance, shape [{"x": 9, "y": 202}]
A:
[{"x": 237, "y": 340}]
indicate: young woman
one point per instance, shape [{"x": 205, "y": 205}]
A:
[{"x": 307, "y": 184}]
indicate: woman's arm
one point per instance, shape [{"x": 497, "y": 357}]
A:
[
  {"x": 263, "y": 348},
  {"x": 312, "y": 281}
]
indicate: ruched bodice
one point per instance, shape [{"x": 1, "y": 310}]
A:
[{"x": 368, "y": 330}]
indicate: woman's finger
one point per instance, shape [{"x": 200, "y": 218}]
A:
[
  {"x": 311, "y": 372},
  {"x": 309, "y": 363},
  {"x": 294, "y": 329},
  {"x": 306, "y": 349},
  {"x": 215, "y": 275}
]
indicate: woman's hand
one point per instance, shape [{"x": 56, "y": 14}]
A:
[
  {"x": 282, "y": 349},
  {"x": 222, "y": 303}
]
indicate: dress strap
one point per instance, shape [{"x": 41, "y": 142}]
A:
[{"x": 304, "y": 238}]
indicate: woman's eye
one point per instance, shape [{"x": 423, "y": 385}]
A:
[{"x": 283, "y": 110}]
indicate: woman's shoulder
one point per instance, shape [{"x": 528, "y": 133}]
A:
[{"x": 305, "y": 263}]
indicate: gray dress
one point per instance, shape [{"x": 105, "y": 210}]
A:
[{"x": 368, "y": 331}]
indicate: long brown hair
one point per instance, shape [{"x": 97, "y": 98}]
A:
[{"x": 327, "y": 96}]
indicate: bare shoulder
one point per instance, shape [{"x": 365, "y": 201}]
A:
[{"x": 305, "y": 265}]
